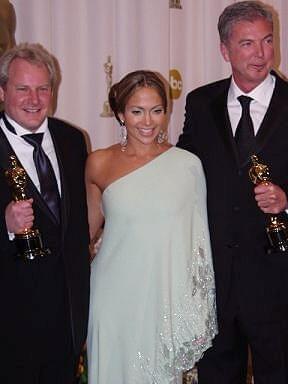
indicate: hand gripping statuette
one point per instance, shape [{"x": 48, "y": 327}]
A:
[
  {"x": 276, "y": 231},
  {"x": 29, "y": 242}
]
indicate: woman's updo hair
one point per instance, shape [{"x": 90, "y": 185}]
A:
[{"x": 121, "y": 92}]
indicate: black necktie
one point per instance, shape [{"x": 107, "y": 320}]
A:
[
  {"x": 46, "y": 175},
  {"x": 244, "y": 135},
  {"x": 45, "y": 172}
]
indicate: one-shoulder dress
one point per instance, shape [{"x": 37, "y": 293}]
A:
[{"x": 152, "y": 306}]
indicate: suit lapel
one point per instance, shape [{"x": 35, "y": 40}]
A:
[
  {"x": 273, "y": 119},
  {"x": 221, "y": 118},
  {"x": 62, "y": 158},
  {"x": 6, "y": 151}
]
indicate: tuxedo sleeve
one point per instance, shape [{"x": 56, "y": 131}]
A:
[
  {"x": 185, "y": 140},
  {"x": 5, "y": 243}
]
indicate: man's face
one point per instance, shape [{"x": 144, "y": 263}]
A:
[
  {"x": 250, "y": 52},
  {"x": 27, "y": 94}
]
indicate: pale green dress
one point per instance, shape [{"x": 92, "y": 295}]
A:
[{"x": 152, "y": 306}]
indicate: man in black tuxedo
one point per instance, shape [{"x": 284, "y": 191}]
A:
[
  {"x": 251, "y": 284},
  {"x": 44, "y": 300}
]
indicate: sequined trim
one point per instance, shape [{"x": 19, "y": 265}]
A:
[{"x": 187, "y": 328}]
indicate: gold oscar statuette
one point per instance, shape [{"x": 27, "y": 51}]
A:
[
  {"x": 175, "y": 4},
  {"x": 29, "y": 242},
  {"x": 276, "y": 230},
  {"x": 108, "y": 68}
]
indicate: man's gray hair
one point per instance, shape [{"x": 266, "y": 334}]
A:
[
  {"x": 241, "y": 11},
  {"x": 33, "y": 53}
]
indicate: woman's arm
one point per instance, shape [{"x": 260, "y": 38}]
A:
[{"x": 94, "y": 196}]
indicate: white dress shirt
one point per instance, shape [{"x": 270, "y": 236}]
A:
[
  {"x": 24, "y": 150},
  {"x": 261, "y": 96}
]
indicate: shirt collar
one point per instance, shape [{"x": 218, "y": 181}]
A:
[
  {"x": 262, "y": 93},
  {"x": 23, "y": 131}
]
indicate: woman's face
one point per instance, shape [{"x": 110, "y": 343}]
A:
[{"x": 144, "y": 116}]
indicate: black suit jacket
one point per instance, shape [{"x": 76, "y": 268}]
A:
[
  {"x": 43, "y": 300},
  {"x": 237, "y": 225}
]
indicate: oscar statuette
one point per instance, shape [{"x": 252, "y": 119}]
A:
[
  {"x": 29, "y": 242},
  {"x": 108, "y": 68},
  {"x": 175, "y": 4},
  {"x": 276, "y": 231}
]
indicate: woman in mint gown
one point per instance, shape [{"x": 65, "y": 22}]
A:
[{"x": 152, "y": 306}]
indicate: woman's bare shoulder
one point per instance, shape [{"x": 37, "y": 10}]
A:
[
  {"x": 99, "y": 163},
  {"x": 101, "y": 156}
]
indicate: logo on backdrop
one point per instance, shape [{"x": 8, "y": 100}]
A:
[{"x": 176, "y": 84}]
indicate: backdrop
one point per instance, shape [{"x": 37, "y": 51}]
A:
[{"x": 177, "y": 38}]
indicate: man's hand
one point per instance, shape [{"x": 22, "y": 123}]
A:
[
  {"x": 19, "y": 216},
  {"x": 270, "y": 198}
]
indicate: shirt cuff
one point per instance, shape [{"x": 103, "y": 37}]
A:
[{"x": 11, "y": 236}]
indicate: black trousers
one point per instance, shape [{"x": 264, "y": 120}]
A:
[
  {"x": 226, "y": 361},
  {"x": 54, "y": 372},
  {"x": 267, "y": 336},
  {"x": 262, "y": 327}
]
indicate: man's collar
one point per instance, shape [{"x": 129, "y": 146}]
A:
[
  {"x": 262, "y": 93},
  {"x": 23, "y": 131}
]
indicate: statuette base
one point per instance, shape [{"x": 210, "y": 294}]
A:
[
  {"x": 277, "y": 236},
  {"x": 30, "y": 246}
]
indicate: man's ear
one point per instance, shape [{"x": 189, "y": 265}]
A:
[
  {"x": 225, "y": 52},
  {"x": 2, "y": 94}
]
